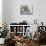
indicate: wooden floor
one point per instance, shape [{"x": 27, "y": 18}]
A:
[
  {"x": 42, "y": 45},
  {"x": 1, "y": 45},
  {"x": 32, "y": 45}
]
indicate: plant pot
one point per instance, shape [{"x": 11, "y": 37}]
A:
[{"x": 2, "y": 40}]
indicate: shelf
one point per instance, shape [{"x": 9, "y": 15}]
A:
[
  {"x": 19, "y": 25},
  {"x": 19, "y": 32},
  {"x": 12, "y": 32},
  {"x": 16, "y": 32},
  {"x": 22, "y": 28}
]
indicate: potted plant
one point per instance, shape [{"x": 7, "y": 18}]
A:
[{"x": 3, "y": 34}]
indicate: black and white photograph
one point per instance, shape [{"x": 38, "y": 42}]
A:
[{"x": 26, "y": 9}]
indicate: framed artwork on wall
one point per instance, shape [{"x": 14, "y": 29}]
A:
[{"x": 26, "y": 9}]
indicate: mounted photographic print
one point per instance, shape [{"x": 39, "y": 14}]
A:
[{"x": 26, "y": 10}]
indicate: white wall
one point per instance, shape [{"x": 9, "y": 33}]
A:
[
  {"x": 13, "y": 6},
  {"x": 0, "y": 13},
  {"x": 12, "y": 11},
  {"x": 4, "y": 11},
  {"x": 42, "y": 11}
]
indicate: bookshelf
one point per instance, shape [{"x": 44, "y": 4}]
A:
[{"x": 18, "y": 29}]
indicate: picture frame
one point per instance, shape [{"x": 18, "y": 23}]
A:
[{"x": 26, "y": 9}]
